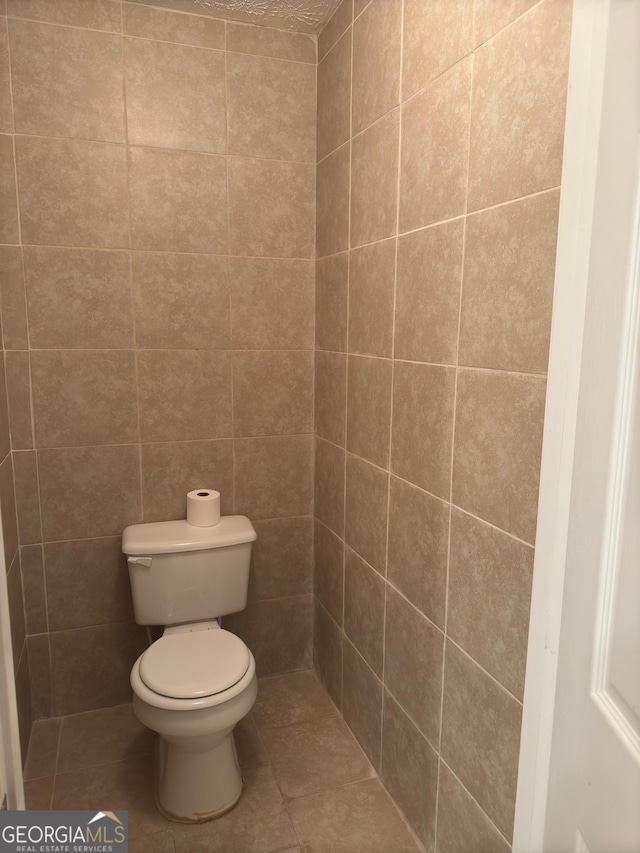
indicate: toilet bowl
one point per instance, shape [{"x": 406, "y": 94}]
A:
[
  {"x": 197, "y": 681},
  {"x": 192, "y": 686}
]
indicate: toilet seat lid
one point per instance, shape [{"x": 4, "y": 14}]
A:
[{"x": 194, "y": 664}]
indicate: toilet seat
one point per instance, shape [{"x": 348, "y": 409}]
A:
[{"x": 194, "y": 664}]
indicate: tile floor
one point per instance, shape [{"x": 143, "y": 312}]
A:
[{"x": 308, "y": 786}]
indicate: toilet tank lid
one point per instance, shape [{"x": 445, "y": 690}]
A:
[{"x": 169, "y": 537}]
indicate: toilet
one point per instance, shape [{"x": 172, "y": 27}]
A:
[{"x": 197, "y": 681}]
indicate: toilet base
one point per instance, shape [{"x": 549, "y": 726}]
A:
[{"x": 195, "y": 787}]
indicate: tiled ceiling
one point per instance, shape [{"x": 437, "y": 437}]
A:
[{"x": 305, "y": 16}]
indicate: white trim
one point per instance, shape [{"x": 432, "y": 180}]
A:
[{"x": 584, "y": 104}]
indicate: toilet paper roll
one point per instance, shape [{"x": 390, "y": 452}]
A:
[{"x": 203, "y": 507}]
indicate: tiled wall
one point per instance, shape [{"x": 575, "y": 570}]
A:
[
  {"x": 8, "y": 258},
  {"x": 158, "y": 316},
  {"x": 440, "y": 132}
]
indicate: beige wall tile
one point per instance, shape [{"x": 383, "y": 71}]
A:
[
  {"x": 184, "y": 394},
  {"x": 88, "y": 491},
  {"x": 171, "y": 469},
  {"x": 257, "y": 226},
  {"x": 362, "y": 705},
  {"x": 66, "y": 82},
  {"x": 5, "y": 404},
  {"x": 359, "y": 6},
  {"x": 334, "y": 97},
  {"x": 19, "y": 394},
  {"x": 519, "y": 95},
  {"x": 43, "y": 750},
  {"x": 329, "y": 473},
  {"x": 327, "y": 652},
  {"x": 489, "y": 598},
  {"x": 78, "y": 298},
  {"x": 377, "y": 37},
  {"x": 90, "y": 14},
  {"x": 489, "y": 17},
  {"x": 272, "y": 393},
  {"x": 33, "y": 584},
  {"x": 332, "y": 284},
  {"x": 335, "y": 27},
  {"x": 9, "y": 227},
  {"x": 175, "y": 96},
  {"x": 418, "y": 548},
  {"x": 163, "y": 25},
  {"x": 409, "y": 771},
  {"x": 181, "y": 301},
  {"x": 279, "y": 633},
  {"x": 38, "y": 793},
  {"x": 15, "y": 601},
  {"x": 510, "y": 257},
  {"x": 274, "y": 476},
  {"x": 332, "y": 202},
  {"x": 8, "y": 511},
  {"x": 369, "y": 408},
  {"x": 366, "y": 511},
  {"x": 331, "y": 396},
  {"x": 259, "y": 89},
  {"x": 422, "y": 435},
  {"x": 413, "y": 662},
  {"x": 436, "y": 34},
  {"x": 264, "y": 41},
  {"x": 12, "y": 298},
  {"x": 72, "y": 192},
  {"x": 371, "y": 287},
  {"x": 428, "y": 293},
  {"x": 27, "y": 497},
  {"x": 40, "y": 677},
  {"x": 481, "y": 736},
  {"x": 23, "y": 696},
  {"x": 496, "y": 469},
  {"x": 435, "y": 147},
  {"x": 271, "y": 303},
  {"x": 374, "y": 181},
  {"x": 329, "y": 570},
  {"x": 364, "y": 605},
  {"x": 462, "y": 826},
  {"x": 83, "y": 397},
  {"x": 84, "y": 677},
  {"x": 282, "y": 558},
  {"x": 87, "y": 583},
  {"x": 178, "y": 201},
  {"x": 6, "y": 108}
]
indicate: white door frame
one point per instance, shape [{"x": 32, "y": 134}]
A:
[
  {"x": 11, "y": 783},
  {"x": 590, "y": 51}
]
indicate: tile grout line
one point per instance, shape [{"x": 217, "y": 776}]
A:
[
  {"x": 132, "y": 298},
  {"x": 400, "y": 108},
  {"x": 413, "y": 486},
  {"x": 347, "y": 362},
  {"x": 228, "y": 264}
]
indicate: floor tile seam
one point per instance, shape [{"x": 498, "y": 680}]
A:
[
  {"x": 325, "y": 788},
  {"x": 102, "y": 764},
  {"x": 263, "y": 729}
]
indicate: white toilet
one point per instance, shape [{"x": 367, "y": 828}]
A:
[{"x": 197, "y": 681}]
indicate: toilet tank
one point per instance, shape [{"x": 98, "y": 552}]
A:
[{"x": 181, "y": 573}]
